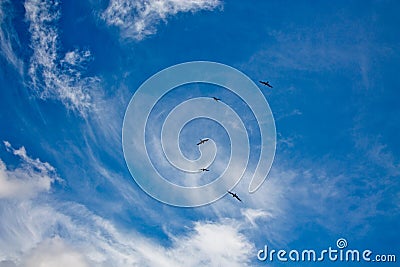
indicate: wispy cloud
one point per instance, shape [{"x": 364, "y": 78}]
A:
[
  {"x": 310, "y": 50},
  {"x": 54, "y": 75},
  {"x": 93, "y": 241},
  {"x": 347, "y": 201},
  {"x": 332, "y": 47},
  {"x": 378, "y": 154},
  {"x": 252, "y": 215},
  {"x": 138, "y": 19},
  {"x": 8, "y": 36},
  {"x": 292, "y": 113},
  {"x": 90, "y": 240},
  {"x": 36, "y": 231}
]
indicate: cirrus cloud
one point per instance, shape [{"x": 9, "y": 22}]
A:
[
  {"x": 54, "y": 75},
  {"x": 8, "y": 36},
  {"x": 138, "y": 19}
]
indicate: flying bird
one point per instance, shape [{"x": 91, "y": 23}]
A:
[
  {"x": 202, "y": 141},
  {"x": 266, "y": 83},
  {"x": 216, "y": 99},
  {"x": 235, "y": 196},
  {"x": 204, "y": 170}
]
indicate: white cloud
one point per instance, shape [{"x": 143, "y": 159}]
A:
[
  {"x": 27, "y": 181},
  {"x": 47, "y": 232},
  {"x": 56, "y": 76},
  {"x": 213, "y": 244},
  {"x": 89, "y": 240},
  {"x": 138, "y": 19},
  {"x": 12, "y": 186},
  {"x": 44, "y": 167},
  {"x": 8, "y": 36},
  {"x": 54, "y": 253}
]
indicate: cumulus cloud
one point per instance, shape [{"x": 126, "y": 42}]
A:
[
  {"x": 213, "y": 244},
  {"x": 54, "y": 75},
  {"x": 138, "y": 19},
  {"x": 25, "y": 182},
  {"x": 11, "y": 186},
  {"x": 54, "y": 252}
]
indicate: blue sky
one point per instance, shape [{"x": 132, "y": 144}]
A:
[{"x": 70, "y": 68}]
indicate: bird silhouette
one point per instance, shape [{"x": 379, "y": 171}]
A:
[
  {"x": 235, "y": 196},
  {"x": 204, "y": 170},
  {"x": 266, "y": 83},
  {"x": 202, "y": 141},
  {"x": 216, "y": 99}
]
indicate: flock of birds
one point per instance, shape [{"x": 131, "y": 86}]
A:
[{"x": 202, "y": 141}]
